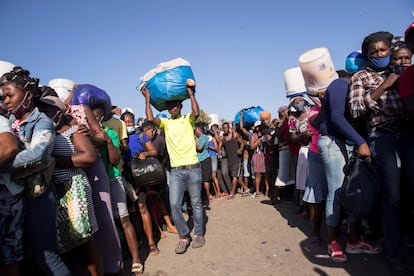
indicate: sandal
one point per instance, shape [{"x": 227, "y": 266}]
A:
[
  {"x": 154, "y": 251},
  {"x": 137, "y": 269},
  {"x": 315, "y": 241}
]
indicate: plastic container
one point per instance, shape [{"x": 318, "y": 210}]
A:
[
  {"x": 214, "y": 119},
  {"x": 168, "y": 82},
  {"x": 5, "y": 67},
  {"x": 317, "y": 69},
  {"x": 63, "y": 87},
  {"x": 294, "y": 82}
]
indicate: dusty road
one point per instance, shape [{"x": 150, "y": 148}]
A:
[{"x": 247, "y": 236}]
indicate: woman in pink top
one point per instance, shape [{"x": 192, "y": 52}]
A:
[{"x": 316, "y": 185}]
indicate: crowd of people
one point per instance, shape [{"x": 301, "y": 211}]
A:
[{"x": 54, "y": 152}]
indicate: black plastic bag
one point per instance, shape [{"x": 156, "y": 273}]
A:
[{"x": 147, "y": 172}]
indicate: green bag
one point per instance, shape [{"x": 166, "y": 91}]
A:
[{"x": 73, "y": 225}]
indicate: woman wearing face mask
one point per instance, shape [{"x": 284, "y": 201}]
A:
[
  {"x": 373, "y": 98},
  {"x": 300, "y": 133},
  {"x": 141, "y": 149},
  {"x": 36, "y": 134}
]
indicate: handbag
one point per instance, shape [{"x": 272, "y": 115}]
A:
[
  {"x": 361, "y": 187},
  {"x": 73, "y": 224}
]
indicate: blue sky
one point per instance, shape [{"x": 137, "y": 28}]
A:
[{"x": 238, "y": 49}]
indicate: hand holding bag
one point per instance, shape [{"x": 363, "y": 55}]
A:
[
  {"x": 73, "y": 225},
  {"x": 361, "y": 187},
  {"x": 35, "y": 178},
  {"x": 147, "y": 172}
]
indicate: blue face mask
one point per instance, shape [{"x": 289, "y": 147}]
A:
[
  {"x": 299, "y": 106},
  {"x": 379, "y": 62}
]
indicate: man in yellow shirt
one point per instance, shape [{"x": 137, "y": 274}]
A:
[{"x": 185, "y": 168}]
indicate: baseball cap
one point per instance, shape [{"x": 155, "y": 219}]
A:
[
  {"x": 257, "y": 123},
  {"x": 54, "y": 101}
]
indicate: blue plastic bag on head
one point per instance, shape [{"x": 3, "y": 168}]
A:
[
  {"x": 168, "y": 82},
  {"x": 250, "y": 115},
  {"x": 90, "y": 95}
]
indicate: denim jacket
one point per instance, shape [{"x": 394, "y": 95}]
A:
[{"x": 37, "y": 133}]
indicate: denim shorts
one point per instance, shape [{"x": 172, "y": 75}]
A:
[{"x": 118, "y": 197}]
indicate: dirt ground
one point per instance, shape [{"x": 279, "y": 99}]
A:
[{"x": 247, "y": 236}]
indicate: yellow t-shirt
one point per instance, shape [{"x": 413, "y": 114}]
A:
[
  {"x": 179, "y": 137},
  {"x": 117, "y": 125}
]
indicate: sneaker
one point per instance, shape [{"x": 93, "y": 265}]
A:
[
  {"x": 230, "y": 197},
  {"x": 254, "y": 195},
  {"x": 198, "y": 242},
  {"x": 182, "y": 245},
  {"x": 362, "y": 246},
  {"x": 335, "y": 252}
]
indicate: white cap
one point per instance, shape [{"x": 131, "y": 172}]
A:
[
  {"x": 257, "y": 123},
  {"x": 127, "y": 109}
]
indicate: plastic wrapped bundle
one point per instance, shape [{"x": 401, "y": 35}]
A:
[
  {"x": 87, "y": 94},
  {"x": 168, "y": 82},
  {"x": 203, "y": 118},
  {"x": 250, "y": 115}
]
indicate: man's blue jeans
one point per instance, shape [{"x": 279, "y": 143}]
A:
[
  {"x": 385, "y": 154},
  {"x": 182, "y": 179}
]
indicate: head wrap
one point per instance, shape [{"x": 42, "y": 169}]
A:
[
  {"x": 282, "y": 109},
  {"x": 265, "y": 115},
  {"x": 354, "y": 62},
  {"x": 375, "y": 37},
  {"x": 296, "y": 97},
  {"x": 22, "y": 78},
  {"x": 54, "y": 101},
  {"x": 397, "y": 43},
  {"x": 408, "y": 31}
]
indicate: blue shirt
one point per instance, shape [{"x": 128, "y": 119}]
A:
[
  {"x": 136, "y": 145},
  {"x": 203, "y": 142},
  {"x": 5, "y": 177},
  {"x": 336, "y": 117}
]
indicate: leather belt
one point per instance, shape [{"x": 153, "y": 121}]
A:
[{"x": 187, "y": 167}]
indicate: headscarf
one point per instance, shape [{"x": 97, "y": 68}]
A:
[
  {"x": 282, "y": 109},
  {"x": 375, "y": 37},
  {"x": 265, "y": 115}
]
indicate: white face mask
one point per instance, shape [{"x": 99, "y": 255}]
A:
[{"x": 131, "y": 130}]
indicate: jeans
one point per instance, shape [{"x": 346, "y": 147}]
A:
[
  {"x": 334, "y": 156},
  {"x": 40, "y": 233},
  {"x": 407, "y": 156},
  {"x": 224, "y": 175},
  {"x": 385, "y": 155},
  {"x": 180, "y": 180}
]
